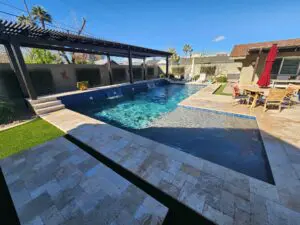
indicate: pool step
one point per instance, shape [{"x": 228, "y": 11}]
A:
[
  {"x": 42, "y": 100},
  {"x": 46, "y": 105},
  {"x": 49, "y": 109}
]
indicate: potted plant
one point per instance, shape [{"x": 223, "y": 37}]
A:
[{"x": 82, "y": 85}]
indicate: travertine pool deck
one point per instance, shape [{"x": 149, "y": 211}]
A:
[
  {"x": 59, "y": 183},
  {"x": 219, "y": 194},
  {"x": 280, "y": 134}
]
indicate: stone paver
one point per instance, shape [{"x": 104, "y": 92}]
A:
[
  {"x": 220, "y": 194},
  {"x": 72, "y": 187}
]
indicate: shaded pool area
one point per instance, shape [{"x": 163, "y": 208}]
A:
[
  {"x": 233, "y": 142},
  {"x": 152, "y": 112}
]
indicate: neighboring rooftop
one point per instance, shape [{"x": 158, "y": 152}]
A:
[
  {"x": 206, "y": 60},
  {"x": 243, "y": 49}
]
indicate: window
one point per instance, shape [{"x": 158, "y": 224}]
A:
[
  {"x": 289, "y": 66},
  {"x": 276, "y": 66}
]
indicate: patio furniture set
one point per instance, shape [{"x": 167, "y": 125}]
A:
[{"x": 254, "y": 95}]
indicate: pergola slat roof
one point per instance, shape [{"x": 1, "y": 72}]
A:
[
  {"x": 16, "y": 35},
  {"x": 36, "y": 37}
]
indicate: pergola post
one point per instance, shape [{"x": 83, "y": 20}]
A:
[
  {"x": 15, "y": 68},
  {"x": 144, "y": 69},
  {"x": 109, "y": 70},
  {"x": 130, "y": 66},
  {"x": 167, "y": 67},
  {"x": 256, "y": 64},
  {"x": 15, "y": 54}
]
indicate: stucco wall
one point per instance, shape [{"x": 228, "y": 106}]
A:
[
  {"x": 246, "y": 76},
  {"x": 221, "y": 68},
  {"x": 64, "y": 76}
]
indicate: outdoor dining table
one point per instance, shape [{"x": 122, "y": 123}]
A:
[{"x": 256, "y": 92}]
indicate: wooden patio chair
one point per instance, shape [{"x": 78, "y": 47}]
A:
[
  {"x": 237, "y": 96},
  {"x": 291, "y": 91},
  {"x": 276, "y": 97}
]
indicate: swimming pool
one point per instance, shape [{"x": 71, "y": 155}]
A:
[
  {"x": 137, "y": 111},
  {"x": 151, "y": 111}
]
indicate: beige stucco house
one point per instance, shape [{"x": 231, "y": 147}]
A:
[
  {"x": 252, "y": 57},
  {"x": 220, "y": 64}
]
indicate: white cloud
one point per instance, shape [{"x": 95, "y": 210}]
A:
[{"x": 218, "y": 38}]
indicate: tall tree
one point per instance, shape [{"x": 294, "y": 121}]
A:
[
  {"x": 41, "y": 56},
  {"x": 175, "y": 57},
  {"x": 40, "y": 14},
  {"x": 29, "y": 15},
  {"x": 25, "y": 20},
  {"x": 188, "y": 50}
]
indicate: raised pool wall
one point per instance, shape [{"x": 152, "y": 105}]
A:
[{"x": 108, "y": 92}]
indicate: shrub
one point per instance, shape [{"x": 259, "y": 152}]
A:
[
  {"x": 162, "y": 75},
  {"x": 6, "y": 111},
  {"x": 221, "y": 79},
  {"x": 178, "y": 70},
  {"x": 171, "y": 76},
  {"x": 208, "y": 70},
  {"x": 196, "y": 77}
]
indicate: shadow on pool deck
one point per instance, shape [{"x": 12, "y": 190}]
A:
[
  {"x": 8, "y": 214},
  {"x": 178, "y": 213},
  {"x": 241, "y": 150}
]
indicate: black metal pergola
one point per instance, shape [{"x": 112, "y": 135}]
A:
[{"x": 16, "y": 35}]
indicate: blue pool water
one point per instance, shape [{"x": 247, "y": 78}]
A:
[{"x": 139, "y": 110}]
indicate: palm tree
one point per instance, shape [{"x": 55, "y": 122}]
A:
[
  {"x": 40, "y": 14},
  {"x": 187, "y": 49},
  {"x": 25, "y": 20},
  {"x": 174, "y": 58}
]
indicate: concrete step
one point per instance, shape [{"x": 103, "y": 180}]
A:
[
  {"x": 42, "y": 100},
  {"x": 46, "y": 104},
  {"x": 49, "y": 109}
]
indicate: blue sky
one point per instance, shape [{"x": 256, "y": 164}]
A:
[{"x": 162, "y": 24}]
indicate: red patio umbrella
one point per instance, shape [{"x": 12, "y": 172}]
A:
[{"x": 265, "y": 76}]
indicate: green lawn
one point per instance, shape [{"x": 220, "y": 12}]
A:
[
  {"x": 25, "y": 136},
  {"x": 219, "y": 91}
]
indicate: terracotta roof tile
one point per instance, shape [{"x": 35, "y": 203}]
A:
[{"x": 242, "y": 50}]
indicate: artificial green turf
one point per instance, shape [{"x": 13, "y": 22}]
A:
[
  {"x": 25, "y": 136},
  {"x": 220, "y": 90}
]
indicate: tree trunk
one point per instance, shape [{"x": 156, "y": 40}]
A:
[{"x": 43, "y": 23}]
